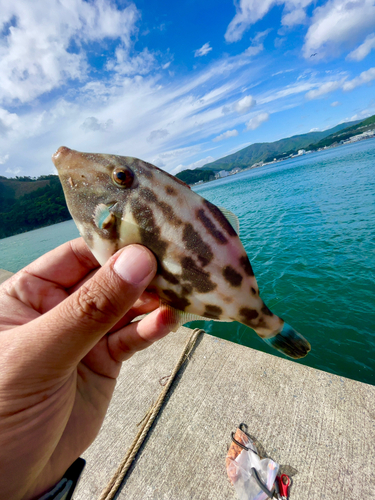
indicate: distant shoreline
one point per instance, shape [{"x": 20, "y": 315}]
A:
[{"x": 333, "y": 146}]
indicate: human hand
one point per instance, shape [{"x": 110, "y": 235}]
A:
[{"x": 64, "y": 332}]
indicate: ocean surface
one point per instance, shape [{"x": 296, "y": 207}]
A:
[{"x": 308, "y": 226}]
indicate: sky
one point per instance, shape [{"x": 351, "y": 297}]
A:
[{"x": 177, "y": 84}]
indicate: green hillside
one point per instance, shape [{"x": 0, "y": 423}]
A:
[
  {"x": 27, "y": 204},
  {"x": 193, "y": 176},
  {"x": 267, "y": 151},
  {"x": 345, "y": 133}
]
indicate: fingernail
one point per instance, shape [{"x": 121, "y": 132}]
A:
[{"x": 134, "y": 264}]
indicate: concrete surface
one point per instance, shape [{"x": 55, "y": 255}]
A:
[
  {"x": 320, "y": 425},
  {"x": 4, "y": 275}
]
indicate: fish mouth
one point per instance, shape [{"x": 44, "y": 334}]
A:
[{"x": 61, "y": 155}]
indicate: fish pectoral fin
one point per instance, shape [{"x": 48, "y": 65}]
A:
[
  {"x": 231, "y": 218},
  {"x": 103, "y": 217},
  {"x": 175, "y": 318}
]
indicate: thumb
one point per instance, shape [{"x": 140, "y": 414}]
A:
[{"x": 70, "y": 330}]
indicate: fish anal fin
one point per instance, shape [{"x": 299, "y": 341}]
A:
[{"x": 231, "y": 218}]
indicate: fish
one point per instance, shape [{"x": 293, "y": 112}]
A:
[{"x": 203, "y": 270}]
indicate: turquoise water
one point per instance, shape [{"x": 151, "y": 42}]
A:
[{"x": 308, "y": 227}]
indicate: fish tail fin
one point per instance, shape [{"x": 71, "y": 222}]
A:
[
  {"x": 276, "y": 333},
  {"x": 289, "y": 342}
]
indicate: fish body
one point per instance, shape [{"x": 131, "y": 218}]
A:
[{"x": 203, "y": 269}]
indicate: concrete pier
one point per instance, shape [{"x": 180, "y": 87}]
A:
[{"x": 320, "y": 425}]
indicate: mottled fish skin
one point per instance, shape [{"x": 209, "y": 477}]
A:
[{"x": 203, "y": 268}]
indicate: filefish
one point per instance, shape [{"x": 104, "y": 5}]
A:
[{"x": 203, "y": 269}]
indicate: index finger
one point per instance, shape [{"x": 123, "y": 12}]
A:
[{"x": 65, "y": 265}]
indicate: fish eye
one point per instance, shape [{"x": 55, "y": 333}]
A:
[{"x": 123, "y": 177}]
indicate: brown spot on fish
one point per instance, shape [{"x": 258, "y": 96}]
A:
[
  {"x": 266, "y": 311},
  {"x": 174, "y": 300},
  {"x": 168, "y": 276},
  {"x": 213, "y": 312},
  {"x": 210, "y": 226},
  {"x": 148, "y": 229},
  {"x": 148, "y": 195},
  {"x": 246, "y": 266},
  {"x": 147, "y": 172},
  {"x": 170, "y": 190},
  {"x": 169, "y": 213},
  {"x": 194, "y": 243},
  {"x": 186, "y": 289},
  {"x": 220, "y": 218},
  {"x": 228, "y": 300},
  {"x": 167, "y": 210},
  {"x": 248, "y": 315},
  {"x": 232, "y": 276},
  {"x": 196, "y": 276}
]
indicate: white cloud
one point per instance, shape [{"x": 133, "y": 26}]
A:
[
  {"x": 92, "y": 124},
  {"x": 363, "y": 50},
  {"x": 4, "y": 159},
  {"x": 8, "y": 121},
  {"x": 255, "y": 122},
  {"x": 205, "y": 49},
  {"x": 344, "y": 84},
  {"x": 335, "y": 104},
  {"x": 139, "y": 64},
  {"x": 282, "y": 71},
  {"x": 245, "y": 104},
  {"x": 225, "y": 135},
  {"x": 293, "y": 18},
  {"x": 13, "y": 171},
  {"x": 361, "y": 116},
  {"x": 36, "y": 55},
  {"x": 257, "y": 43},
  {"x": 339, "y": 25},
  {"x": 254, "y": 50},
  {"x": 326, "y": 88},
  {"x": 249, "y": 12},
  {"x": 167, "y": 120},
  {"x": 157, "y": 134},
  {"x": 192, "y": 166},
  {"x": 363, "y": 78}
]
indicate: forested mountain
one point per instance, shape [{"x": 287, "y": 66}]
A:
[
  {"x": 27, "y": 204},
  {"x": 193, "y": 176},
  {"x": 267, "y": 151},
  {"x": 344, "y": 134}
]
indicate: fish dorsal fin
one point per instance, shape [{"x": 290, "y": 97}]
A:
[
  {"x": 175, "y": 318},
  {"x": 103, "y": 217},
  {"x": 231, "y": 218}
]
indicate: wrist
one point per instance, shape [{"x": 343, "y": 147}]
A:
[{"x": 64, "y": 489}]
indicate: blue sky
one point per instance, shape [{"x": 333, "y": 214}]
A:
[{"x": 178, "y": 84}]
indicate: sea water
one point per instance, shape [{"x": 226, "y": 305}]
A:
[{"x": 308, "y": 226}]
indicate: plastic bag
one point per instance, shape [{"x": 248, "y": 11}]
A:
[{"x": 250, "y": 475}]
